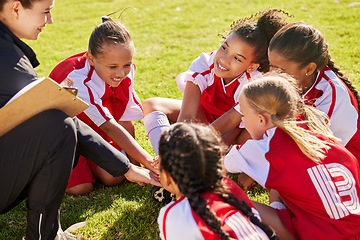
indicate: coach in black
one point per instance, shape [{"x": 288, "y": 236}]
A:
[{"x": 36, "y": 157}]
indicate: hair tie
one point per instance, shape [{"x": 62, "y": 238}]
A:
[
  {"x": 274, "y": 118},
  {"x": 105, "y": 18}
]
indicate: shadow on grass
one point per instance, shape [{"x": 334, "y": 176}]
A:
[
  {"x": 126, "y": 211},
  {"x": 138, "y": 220}
]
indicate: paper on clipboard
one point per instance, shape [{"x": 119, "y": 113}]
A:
[{"x": 37, "y": 97}]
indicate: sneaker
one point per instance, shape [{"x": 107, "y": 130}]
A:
[
  {"x": 66, "y": 235},
  {"x": 159, "y": 194}
]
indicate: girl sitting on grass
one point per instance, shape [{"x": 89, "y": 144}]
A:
[
  {"x": 104, "y": 76},
  {"x": 213, "y": 82},
  {"x": 208, "y": 205},
  {"x": 300, "y": 50},
  {"x": 317, "y": 179}
]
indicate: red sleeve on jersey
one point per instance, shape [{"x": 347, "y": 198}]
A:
[
  {"x": 65, "y": 67},
  {"x": 237, "y": 191}
]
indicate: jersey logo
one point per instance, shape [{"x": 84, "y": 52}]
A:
[
  {"x": 336, "y": 187},
  {"x": 242, "y": 228}
]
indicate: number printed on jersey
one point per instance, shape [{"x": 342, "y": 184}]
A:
[{"x": 336, "y": 187}]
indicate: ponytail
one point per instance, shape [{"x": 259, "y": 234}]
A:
[
  {"x": 309, "y": 144},
  {"x": 276, "y": 94},
  {"x": 108, "y": 32}
]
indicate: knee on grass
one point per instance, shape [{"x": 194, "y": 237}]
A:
[
  {"x": 112, "y": 181},
  {"x": 151, "y": 105},
  {"x": 106, "y": 178},
  {"x": 80, "y": 189}
]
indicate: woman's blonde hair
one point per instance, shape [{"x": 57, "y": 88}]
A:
[{"x": 276, "y": 94}]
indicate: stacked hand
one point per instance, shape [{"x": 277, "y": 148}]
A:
[{"x": 142, "y": 176}]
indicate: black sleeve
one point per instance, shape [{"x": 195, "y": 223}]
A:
[
  {"x": 16, "y": 71},
  {"x": 92, "y": 146}
]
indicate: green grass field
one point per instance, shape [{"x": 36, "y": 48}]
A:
[{"x": 168, "y": 35}]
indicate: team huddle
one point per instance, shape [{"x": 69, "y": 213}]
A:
[
  {"x": 269, "y": 105},
  {"x": 287, "y": 132}
]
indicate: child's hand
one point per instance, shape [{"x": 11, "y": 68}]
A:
[
  {"x": 245, "y": 181},
  {"x": 142, "y": 176},
  {"x": 150, "y": 165},
  {"x": 155, "y": 162}
]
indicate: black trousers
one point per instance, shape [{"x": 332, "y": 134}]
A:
[
  {"x": 92, "y": 146},
  {"x": 36, "y": 159}
]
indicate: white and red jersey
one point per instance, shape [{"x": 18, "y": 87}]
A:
[
  {"x": 105, "y": 102},
  {"x": 322, "y": 198},
  {"x": 177, "y": 220},
  {"x": 216, "y": 98},
  {"x": 331, "y": 96}
]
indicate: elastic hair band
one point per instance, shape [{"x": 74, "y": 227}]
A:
[{"x": 105, "y": 18}]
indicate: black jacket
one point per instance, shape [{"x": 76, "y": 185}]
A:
[{"x": 17, "y": 63}]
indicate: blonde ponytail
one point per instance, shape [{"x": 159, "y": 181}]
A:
[
  {"x": 276, "y": 94},
  {"x": 309, "y": 144}
]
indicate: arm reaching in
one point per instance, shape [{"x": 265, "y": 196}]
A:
[
  {"x": 245, "y": 181},
  {"x": 124, "y": 139},
  {"x": 190, "y": 103},
  {"x": 227, "y": 122},
  {"x": 142, "y": 176}
]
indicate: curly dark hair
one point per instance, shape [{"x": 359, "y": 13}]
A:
[
  {"x": 191, "y": 154},
  {"x": 257, "y": 30}
]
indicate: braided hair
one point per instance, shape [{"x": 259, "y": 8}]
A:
[{"x": 191, "y": 154}]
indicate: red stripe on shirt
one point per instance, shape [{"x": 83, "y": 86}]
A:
[
  {"x": 137, "y": 103},
  {"x": 92, "y": 96},
  {"x": 205, "y": 72},
  {"x": 167, "y": 211},
  {"x": 208, "y": 71},
  {"x": 333, "y": 100}
]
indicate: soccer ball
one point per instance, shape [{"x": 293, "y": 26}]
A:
[{"x": 159, "y": 194}]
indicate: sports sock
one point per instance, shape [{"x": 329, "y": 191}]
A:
[{"x": 155, "y": 124}]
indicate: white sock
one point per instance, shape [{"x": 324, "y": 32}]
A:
[
  {"x": 277, "y": 205},
  {"x": 155, "y": 124}
]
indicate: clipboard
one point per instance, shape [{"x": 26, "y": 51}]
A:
[{"x": 47, "y": 94}]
